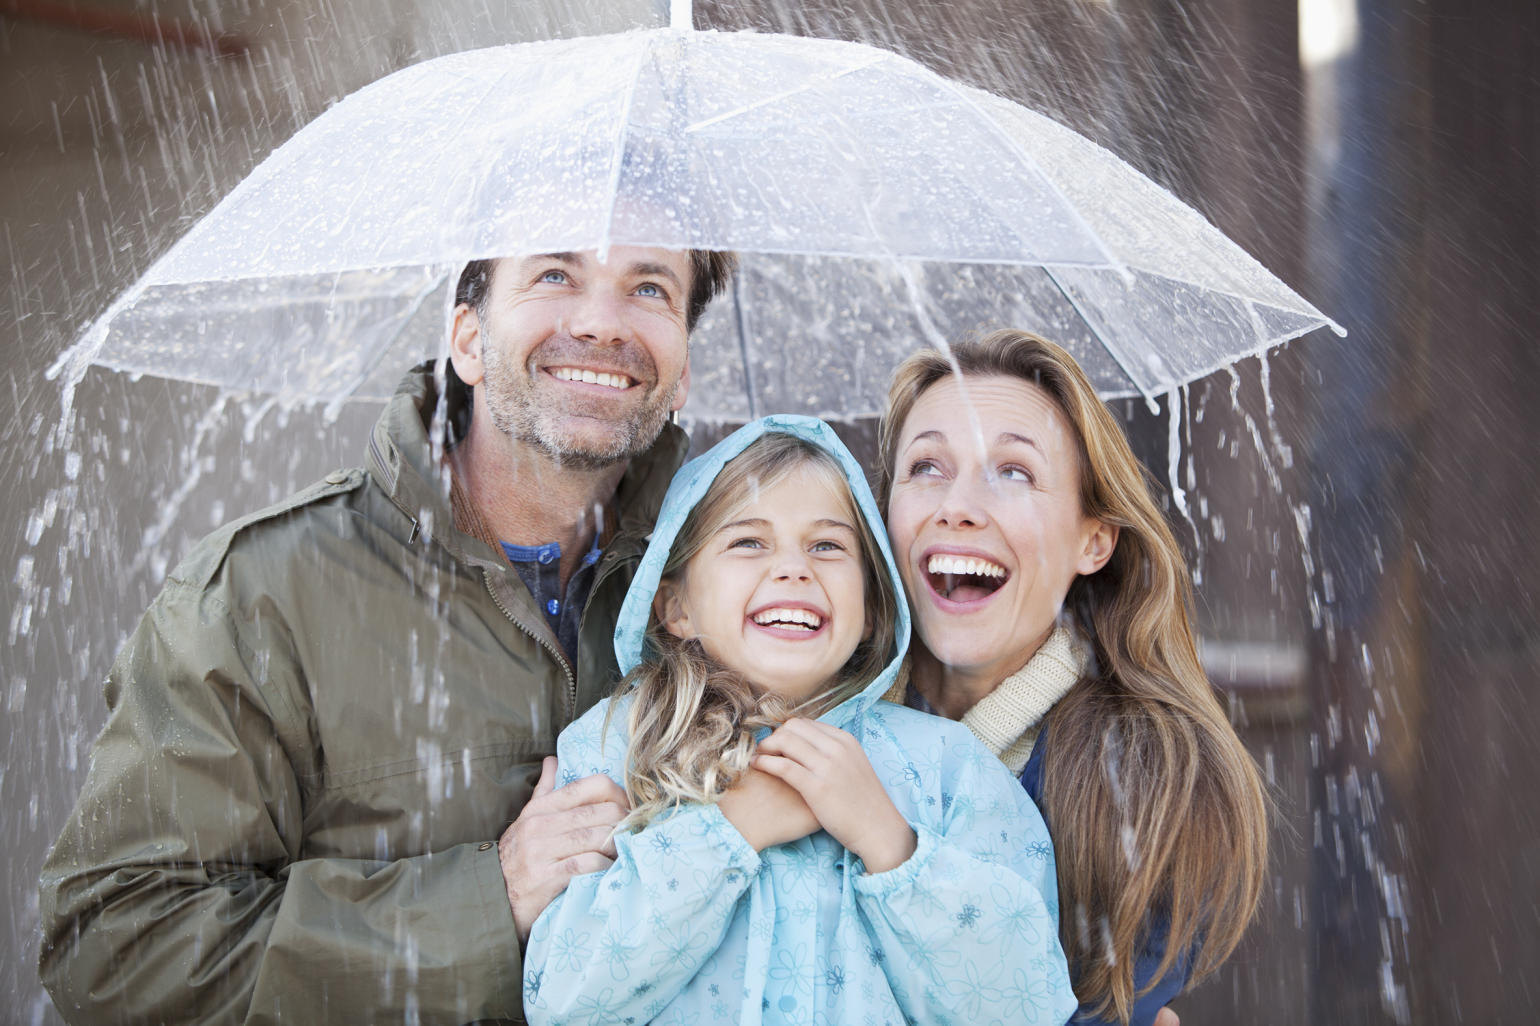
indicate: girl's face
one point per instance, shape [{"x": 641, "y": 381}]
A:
[
  {"x": 778, "y": 593},
  {"x": 986, "y": 522}
]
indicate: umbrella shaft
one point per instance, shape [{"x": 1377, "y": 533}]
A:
[{"x": 681, "y": 16}]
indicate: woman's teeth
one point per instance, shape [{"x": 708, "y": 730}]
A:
[
  {"x": 961, "y": 565},
  {"x": 789, "y": 618},
  {"x": 591, "y": 377}
]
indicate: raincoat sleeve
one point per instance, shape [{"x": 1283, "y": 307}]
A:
[
  {"x": 967, "y": 929},
  {"x": 178, "y": 889},
  {"x": 618, "y": 946}
]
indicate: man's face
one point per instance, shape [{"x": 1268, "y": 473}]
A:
[{"x": 583, "y": 359}]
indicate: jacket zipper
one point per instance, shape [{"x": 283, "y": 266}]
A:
[
  {"x": 561, "y": 660},
  {"x": 486, "y": 580}
]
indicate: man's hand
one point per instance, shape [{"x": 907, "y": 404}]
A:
[
  {"x": 830, "y": 771},
  {"x": 766, "y": 811},
  {"x": 558, "y": 835}
]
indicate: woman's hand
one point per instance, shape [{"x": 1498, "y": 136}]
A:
[
  {"x": 834, "y": 777},
  {"x": 766, "y": 811}
]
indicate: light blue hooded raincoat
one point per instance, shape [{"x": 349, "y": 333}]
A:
[{"x": 691, "y": 925}]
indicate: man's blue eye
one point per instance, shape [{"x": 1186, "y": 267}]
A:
[
  {"x": 650, "y": 290},
  {"x": 555, "y": 277}
]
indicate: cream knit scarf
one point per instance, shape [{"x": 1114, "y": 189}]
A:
[{"x": 1007, "y": 718}]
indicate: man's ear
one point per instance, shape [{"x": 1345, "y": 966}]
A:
[
  {"x": 465, "y": 345},
  {"x": 668, "y": 607},
  {"x": 683, "y": 391},
  {"x": 1099, "y": 543}
]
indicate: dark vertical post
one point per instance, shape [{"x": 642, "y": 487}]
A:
[
  {"x": 1367, "y": 135},
  {"x": 1476, "y": 926},
  {"x": 1426, "y": 242}
]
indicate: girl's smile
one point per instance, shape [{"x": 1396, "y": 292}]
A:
[{"x": 778, "y": 593}]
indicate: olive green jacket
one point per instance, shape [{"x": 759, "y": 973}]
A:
[{"x": 317, "y": 734}]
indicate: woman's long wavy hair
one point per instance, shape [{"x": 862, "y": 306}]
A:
[
  {"x": 1156, "y": 808},
  {"x": 693, "y": 722}
]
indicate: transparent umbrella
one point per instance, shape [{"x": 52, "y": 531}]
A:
[{"x": 874, "y": 203}]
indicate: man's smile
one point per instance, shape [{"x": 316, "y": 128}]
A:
[{"x": 609, "y": 379}]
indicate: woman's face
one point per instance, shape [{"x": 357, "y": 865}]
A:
[{"x": 986, "y": 521}]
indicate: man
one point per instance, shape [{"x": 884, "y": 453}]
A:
[{"x": 326, "y": 720}]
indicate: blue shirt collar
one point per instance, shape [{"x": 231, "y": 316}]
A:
[{"x": 546, "y": 554}]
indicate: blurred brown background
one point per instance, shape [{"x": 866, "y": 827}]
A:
[{"x": 1367, "y": 553}]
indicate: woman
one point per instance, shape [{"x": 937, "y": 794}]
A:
[{"x": 1052, "y": 611}]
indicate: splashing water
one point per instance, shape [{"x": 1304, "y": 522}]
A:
[{"x": 111, "y": 480}]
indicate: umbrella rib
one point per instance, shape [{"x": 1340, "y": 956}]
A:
[
  {"x": 1307, "y": 308},
  {"x": 1027, "y": 158},
  {"x": 1260, "y": 350},
  {"x": 1238, "y": 252},
  {"x": 429, "y": 289},
  {"x": 1113, "y": 349},
  {"x": 281, "y": 157},
  {"x": 621, "y": 131},
  {"x": 784, "y": 94},
  {"x": 1257, "y": 328},
  {"x": 1265, "y": 340},
  {"x": 470, "y": 112},
  {"x": 742, "y": 320}
]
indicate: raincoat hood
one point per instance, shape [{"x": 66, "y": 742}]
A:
[{"x": 690, "y": 486}]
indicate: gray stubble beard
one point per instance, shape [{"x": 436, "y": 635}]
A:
[{"x": 517, "y": 412}]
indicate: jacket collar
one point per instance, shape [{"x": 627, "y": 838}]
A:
[{"x": 408, "y": 467}]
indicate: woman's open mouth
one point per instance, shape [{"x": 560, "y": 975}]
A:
[{"x": 964, "y": 578}]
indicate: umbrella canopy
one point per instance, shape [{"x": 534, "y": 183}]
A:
[{"x": 875, "y": 205}]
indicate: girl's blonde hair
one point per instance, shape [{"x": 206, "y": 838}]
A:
[
  {"x": 693, "y": 722},
  {"x": 1155, "y": 806}
]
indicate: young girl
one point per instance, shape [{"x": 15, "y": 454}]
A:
[{"x": 797, "y": 851}]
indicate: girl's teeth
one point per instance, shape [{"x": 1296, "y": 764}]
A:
[{"x": 800, "y": 617}]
